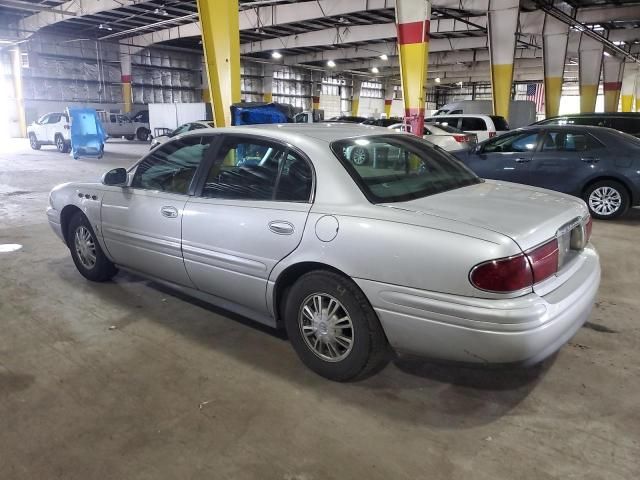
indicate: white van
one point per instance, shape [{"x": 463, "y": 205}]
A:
[
  {"x": 521, "y": 112},
  {"x": 484, "y": 126}
]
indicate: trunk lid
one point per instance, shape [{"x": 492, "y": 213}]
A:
[{"x": 528, "y": 215}]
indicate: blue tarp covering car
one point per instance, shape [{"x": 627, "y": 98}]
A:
[
  {"x": 87, "y": 134},
  {"x": 258, "y": 113}
]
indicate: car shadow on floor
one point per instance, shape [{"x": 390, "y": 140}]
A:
[{"x": 410, "y": 389}]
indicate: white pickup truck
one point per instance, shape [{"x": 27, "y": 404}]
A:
[
  {"x": 50, "y": 129},
  {"x": 118, "y": 125}
]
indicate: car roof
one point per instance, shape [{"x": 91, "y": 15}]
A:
[
  {"x": 328, "y": 132},
  {"x": 464, "y": 115},
  {"x": 585, "y": 128},
  {"x": 597, "y": 114}
]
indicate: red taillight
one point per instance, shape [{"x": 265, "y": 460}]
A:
[
  {"x": 544, "y": 260},
  {"x": 503, "y": 275},
  {"x": 492, "y": 134},
  {"x": 461, "y": 138},
  {"x": 515, "y": 273},
  {"x": 588, "y": 228}
]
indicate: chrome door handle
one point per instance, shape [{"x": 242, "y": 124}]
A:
[
  {"x": 281, "y": 228},
  {"x": 522, "y": 160},
  {"x": 169, "y": 212}
]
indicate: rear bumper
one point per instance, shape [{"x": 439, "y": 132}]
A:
[{"x": 523, "y": 330}]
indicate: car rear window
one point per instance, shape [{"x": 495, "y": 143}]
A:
[
  {"x": 397, "y": 168},
  {"x": 473, "y": 123},
  {"x": 447, "y": 128},
  {"x": 500, "y": 123}
]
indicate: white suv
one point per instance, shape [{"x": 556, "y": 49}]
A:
[
  {"x": 484, "y": 126},
  {"x": 50, "y": 129}
]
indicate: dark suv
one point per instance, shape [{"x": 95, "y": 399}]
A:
[{"x": 624, "y": 122}]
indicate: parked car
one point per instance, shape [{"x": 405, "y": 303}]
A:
[
  {"x": 383, "y": 122},
  {"x": 484, "y": 126},
  {"x": 625, "y": 122},
  {"x": 599, "y": 165},
  {"x": 348, "y": 119},
  {"x": 353, "y": 261},
  {"x": 309, "y": 116},
  {"x": 444, "y": 136},
  {"x": 50, "y": 129},
  {"x": 184, "y": 128},
  {"x": 521, "y": 112},
  {"x": 120, "y": 125}
]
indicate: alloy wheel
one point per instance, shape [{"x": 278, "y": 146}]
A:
[
  {"x": 60, "y": 144},
  {"x": 605, "y": 201},
  {"x": 326, "y": 327},
  {"x": 85, "y": 247},
  {"x": 359, "y": 156}
]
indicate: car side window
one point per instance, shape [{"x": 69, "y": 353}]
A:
[
  {"x": 171, "y": 167},
  {"x": 55, "y": 118},
  {"x": 257, "y": 170},
  {"x": 471, "y": 123},
  {"x": 569, "y": 142},
  {"x": 519, "y": 142}
]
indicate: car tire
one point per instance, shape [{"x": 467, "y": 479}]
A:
[
  {"x": 86, "y": 252},
  {"x": 33, "y": 142},
  {"x": 359, "y": 156},
  {"x": 142, "y": 134},
  {"x": 607, "y": 199},
  {"x": 130, "y": 137},
  {"x": 61, "y": 144},
  {"x": 350, "y": 344}
]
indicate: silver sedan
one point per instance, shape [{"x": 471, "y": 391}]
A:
[{"x": 409, "y": 253}]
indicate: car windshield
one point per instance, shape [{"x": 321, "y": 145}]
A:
[{"x": 397, "y": 168}]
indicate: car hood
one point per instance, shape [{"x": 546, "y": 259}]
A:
[{"x": 528, "y": 215}]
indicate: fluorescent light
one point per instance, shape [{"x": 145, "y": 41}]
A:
[
  {"x": 375, "y": 70},
  {"x": 331, "y": 63},
  {"x": 384, "y": 57},
  {"x": 607, "y": 54},
  {"x": 437, "y": 80},
  {"x": 276, "y": 55}
]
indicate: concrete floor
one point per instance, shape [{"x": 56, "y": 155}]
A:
[{"x": 124, "y": 380}]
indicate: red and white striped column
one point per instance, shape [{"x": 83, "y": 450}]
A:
[
  {"x": 125, "y": 70},
  {"x": 412, "y": 22}
]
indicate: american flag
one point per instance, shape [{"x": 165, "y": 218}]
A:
[{"x": 535, "y": 93}]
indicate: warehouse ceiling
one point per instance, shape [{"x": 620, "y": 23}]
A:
[{"x": 351, "y": 38}]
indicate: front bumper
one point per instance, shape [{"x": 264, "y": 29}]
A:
[
  {"x": 54, "y": 222},
  {"x": 524, "y": 330}
]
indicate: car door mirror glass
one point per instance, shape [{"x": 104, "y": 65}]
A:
[{"x": 116, "y": 177}]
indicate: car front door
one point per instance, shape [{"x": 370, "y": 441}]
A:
[
  {"x": 142, "y": 223},
  {"x": 52, "y": 126},
  {"x": 506, "y": 157},
  {"x": 563, "y": 159},
  {"x": 249, "y": 213}
]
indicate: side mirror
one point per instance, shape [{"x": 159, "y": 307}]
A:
[{"x": 115, "y": 178}]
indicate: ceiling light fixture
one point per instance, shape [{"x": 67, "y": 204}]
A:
[
  {"x": 331, "y": 63},
  {"x": 160, "y": 11},
  {"x": 104, "y": 26},
  {"x": 276, "y": 55},
  {"x": 437, "y": 80},
  {"x": 607, "y": 54},
  {"x": 384, "y": 57},
  {"x": 375, "y": 70}
]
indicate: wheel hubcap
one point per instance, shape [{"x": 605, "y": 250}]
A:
[
  {"x": 85, "y": 247},
  {"x": 359, "y": 156},
  {"x": 605, "y": 200},
  {"x": 326, "y": 327},
  {"x": 60, "y": 143}
]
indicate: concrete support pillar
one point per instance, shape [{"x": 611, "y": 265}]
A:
[
  {"x": 388, "y": 98},
  {"x": 16, "y": 70},
  {"x": 590, "y": 63},
  {"x": 355, "y": 95},
  {"x": 316, "y": 89},
  {"x": 612, "y": 82},
  {"x": 502, "y": 23},
  {"x": 637, "y": 95},
  {"x": 204, "y": 87},
  {"x": 125, "y": 78},
  {"x": 267, "y": 83},
  {"x": 412, "y": 22},
  {"x": 221, "y": 43},
  {"x": 628, "y": 86},
  {"x": 555, "y": 35}
]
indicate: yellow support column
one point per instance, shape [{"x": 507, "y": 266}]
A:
[
  {"x": 125, "y": 78},
  {"x": 355, "y": 96},
  {"x": 267, "y": 83},
  {"x": 221, "y": 43},
  {"x": 412, "y": 22},
  {"x": 555, "y": 35},
  {"x": 502, "y": 22},
  {"x": 388, "y": 98},
  {"x": 590, "y": 63},
  {"x": 628, "y": 86},
  {"x": 16, "y": 66},
  {"x": 612, "y": 82}
]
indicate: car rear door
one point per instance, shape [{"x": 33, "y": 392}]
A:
[
  {"x": 142, "y": 223},
  {"x": 249, "y": 213},
  {"x": 563, "y": 159}
]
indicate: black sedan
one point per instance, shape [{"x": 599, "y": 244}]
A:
[{"x": 598, "y": 164}]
